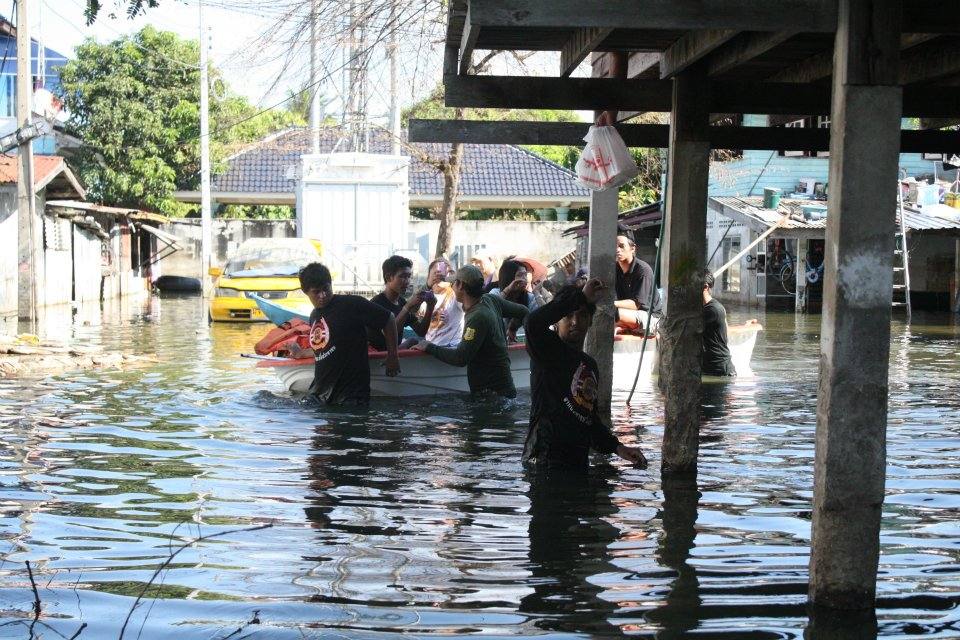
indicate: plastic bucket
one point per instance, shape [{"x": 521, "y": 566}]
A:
[{"x": 771, "y": 197}]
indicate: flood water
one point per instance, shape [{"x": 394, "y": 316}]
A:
[{"x": 415, "y": 518}]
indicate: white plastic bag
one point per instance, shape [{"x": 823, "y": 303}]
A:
[{"x": 605, "y": 162}]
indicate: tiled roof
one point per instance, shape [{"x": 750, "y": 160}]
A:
[
  {"x": 43, "y": 167},
  {"x": 488, "y": 170},
  {"x": 932, "y": 218}
]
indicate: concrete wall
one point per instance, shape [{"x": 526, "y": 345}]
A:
[
  {"x": 8, "y": 251},
  {"x": 540, "y": 240}
]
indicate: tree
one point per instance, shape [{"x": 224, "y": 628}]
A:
[
  {"x": 450, "y": 167},
  {"x": 132, "y": 8},
  {"x": 135, "y": 104}
]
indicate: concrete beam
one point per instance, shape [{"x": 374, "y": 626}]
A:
[
  {"x": 579, "y": 46},
  {"x": 745, "y": 48},
  {"x": 468, "y": 42},
  {"x": 850, "y": 455},
  {"x": 684, "y": 258},
  {"x": 692, "y": 48}
]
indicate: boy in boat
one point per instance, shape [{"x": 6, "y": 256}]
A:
[
  {"x": 634, "y": 285},
  {"x": 397, "y": 272},
  {"x": 483, "y": 349},
  {"x": 446, "y": 323},
  {"x": 338, "y": 339},
  {"x": 564, "y": 421},
  {"x": 715, "y": 359}
]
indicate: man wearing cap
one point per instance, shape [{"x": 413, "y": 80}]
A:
[
  {"x": 634, "y": 285},
  {"x": 483, "y": 348}
]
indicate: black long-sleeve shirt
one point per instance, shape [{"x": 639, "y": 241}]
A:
[
  {"x": 637, "y": 285},
  {"x": 715, "y": 357},
  {"x": 564, "y": 421}
]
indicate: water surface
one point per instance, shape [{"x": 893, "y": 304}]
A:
[{"x": 415, "y": 518}]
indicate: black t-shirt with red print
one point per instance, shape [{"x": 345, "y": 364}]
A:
[
  {"x": 564, "y": 421},
  {"x": 338, "y": 337}
]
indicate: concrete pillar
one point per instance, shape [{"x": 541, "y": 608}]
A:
[
  {"x": 602, "y": 258},
  {"x": 601, "y": 254},
  {"x": 684, "y": 257},
  {"x": 849, "y": 467}
]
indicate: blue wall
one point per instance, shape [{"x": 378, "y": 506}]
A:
[
  {"x": 8, "y": 80},
  {"x": 759, "y": 169}
]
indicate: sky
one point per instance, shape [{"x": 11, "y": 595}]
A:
[{"x": 62, "y": 27}]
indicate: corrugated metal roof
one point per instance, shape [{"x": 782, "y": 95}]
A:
[
  {"x": 929, "y": 219},
  {"x": 488, "y": 170}
]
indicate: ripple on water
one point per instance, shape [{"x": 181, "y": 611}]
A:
[{"x": 415, "y": 516}]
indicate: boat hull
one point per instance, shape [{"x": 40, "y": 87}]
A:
[
  {"x": 423, "y": 375},
  {"x": 420, "y": 374}
]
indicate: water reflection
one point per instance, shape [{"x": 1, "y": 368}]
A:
[
  {"x": 569, "y": 543},
  {"x": 415, "y": 517}
]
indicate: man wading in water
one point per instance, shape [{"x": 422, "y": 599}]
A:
[
  {"x": 564, "y": 421},
  {"x": 483, "y": 349},
  {"x": 338, "y": 339}
]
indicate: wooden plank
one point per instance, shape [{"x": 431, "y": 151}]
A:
[
  {"x": 468, "y": 41},
  {"x": 819, "y": 16},
  {"x": 579, "y": 46},
  {"x": 657, "y": 135},
  {"x": 692, "y": 48},
  {"x": 643, "y": 62},
  {"x": 605, "y": 94},
  {"x": 744, "y": 48}
]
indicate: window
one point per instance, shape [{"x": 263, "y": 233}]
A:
[
  {"x": 795, "y": 124},
  {"x": 730, "y": 280},
  {"x": 823, "y": 122}
]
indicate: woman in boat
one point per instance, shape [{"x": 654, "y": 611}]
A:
[
  {"x": 446, "y": 321},
  {"x": 514, "y": 286}
]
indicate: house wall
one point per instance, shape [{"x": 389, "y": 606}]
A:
[
  {"x": 540, "y": 240},
  {"x": 759, "y": 169},
  {"x": 87, "y": 265},
  {"x": 8, "y": 251},
  {"x": 57, "y": 260}
]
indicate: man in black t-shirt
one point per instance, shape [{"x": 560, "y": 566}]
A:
[
  {"x": 715, "y": 359},
  {"x": 564, "y": 421},
  {"x": 338, "y": 339},
  {"x": 634, "y": 287},
  {"x": 397, "y": 272}
]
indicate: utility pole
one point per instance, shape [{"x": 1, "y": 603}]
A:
[
  {"x": 26, "y": 203},
  {"x": 206, "y": 236},
  {"x": 314, "y": 78},
  {"x": 394, "y": 99}
]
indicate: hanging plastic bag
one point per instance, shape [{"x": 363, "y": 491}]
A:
[{"x": 605, "y": 162}]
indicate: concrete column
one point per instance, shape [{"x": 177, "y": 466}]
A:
[
  {"x": 602, "y": 259},
  {"x": 601, "y": 254},
  {"x": 684, "y": 257},
  {"x": 849, "y": 468}
]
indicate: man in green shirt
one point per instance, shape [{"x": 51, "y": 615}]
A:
[{"x": 483, "y": 349}]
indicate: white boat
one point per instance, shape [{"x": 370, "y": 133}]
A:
[
  {"x": 424, "y": 375},
  {"x": 420, "y": 374}
]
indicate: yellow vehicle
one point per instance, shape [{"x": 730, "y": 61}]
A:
[{"x": 267, "y": 267}]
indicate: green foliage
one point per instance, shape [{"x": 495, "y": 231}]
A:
[
  {"x": 261, "y": 211},
  {"x": 132, "y": 8},
  {"x": 135, "y": 103}
]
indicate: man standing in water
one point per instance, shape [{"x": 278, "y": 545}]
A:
[
  {"x": 397, "y": 272},
  {"x": 715, "y": 359},
  {"x": 338, "y": 340},
  {"x": 634, "y": 286},
  {"x": 564, "y": 421},
  {"x": 483, "y": 349}
]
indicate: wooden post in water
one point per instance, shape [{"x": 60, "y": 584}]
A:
[
  {"x": 602, "y": 259},
  {"x": 684, "y": 258},
  {"x": 849, "y": 468}
]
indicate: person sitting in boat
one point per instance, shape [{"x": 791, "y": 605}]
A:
[
  {"x": 397, "y": 272},
  {"x": 446, "y": 321},
  {"x": 338, "y": 339},
  {"x": 483, "y": 350},
  {"x": 514, "y": 286},
  {"x": 634, "y": 286},
  {"x": 715, "y": 358},
  {"x": 488, "y": 267},
  {"x": 564, "y": 420}
]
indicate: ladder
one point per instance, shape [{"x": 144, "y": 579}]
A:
[{"x": 901, "y": 261}]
